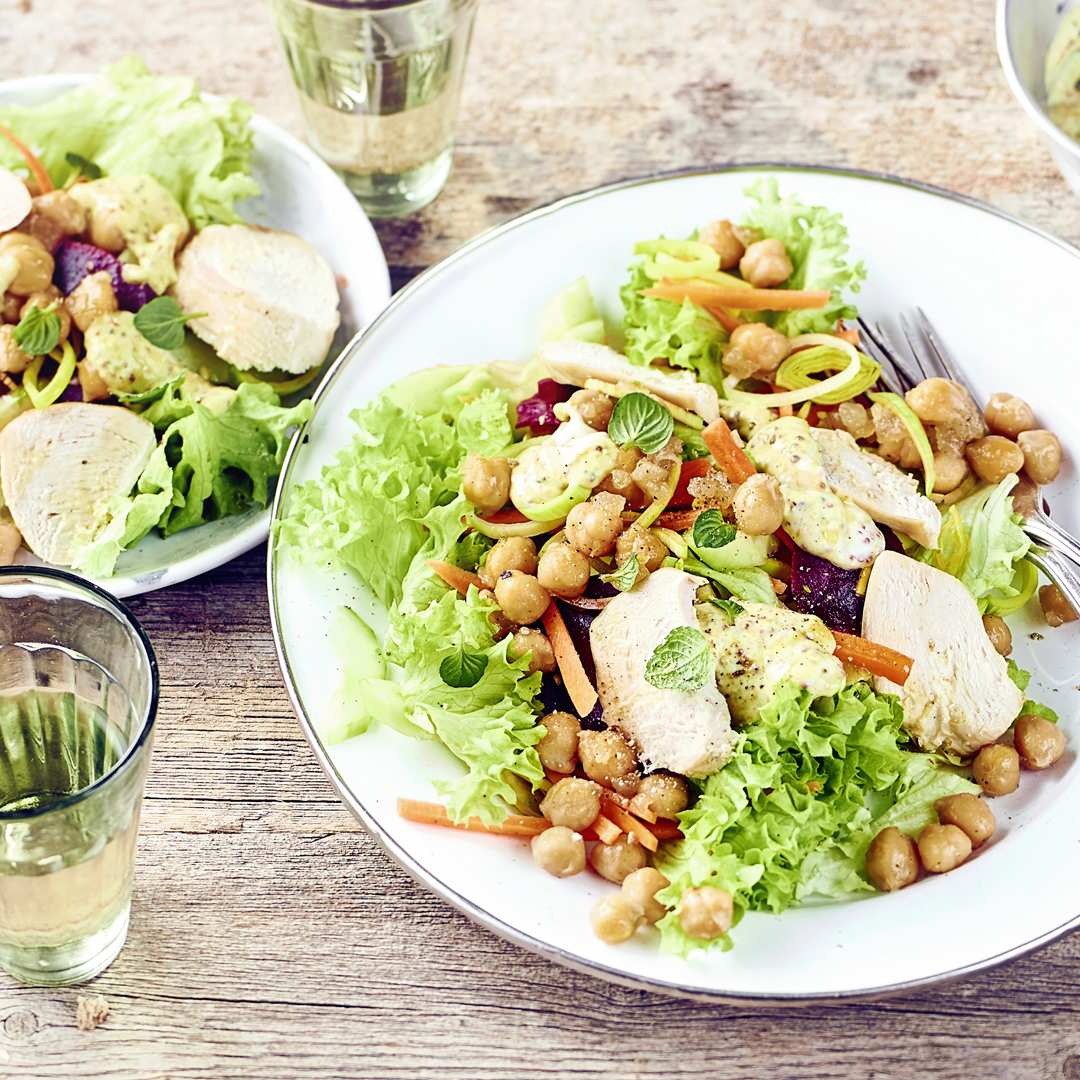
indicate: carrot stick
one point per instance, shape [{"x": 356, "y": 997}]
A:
[
  {"x": 875, "y": 658},
  {"x": 427, "y": 813},
  {"x": 607, "y": 832},
  {"x": 784, "y": 539},
  {"x": 623, "y": 803},
  {"x": 729, "y": 455},
  {"x": 454, "y": 576},
  {"x": 41, "y": 174},
  {"x": 707, "y": 295},
  {"x": 725, "y": 319},
  {"x": 573, "y": 674},
  {"x": 850, "y": 336},
  {"x": 666, "y": 830},
  {"x": 630, "y": 825},
  {"x": 691, "y": 470},
  {"x": 785, "y": 410},
  {"x": 678, "y": 520}
]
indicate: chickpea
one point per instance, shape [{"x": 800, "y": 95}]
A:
[
  {"x": 593, "y": 407},
  {"x": 997, "y": 630},
  {"x": 572, "y": 802},
  {"x": 12, "y": 359},
  {"x": 557, "y": 750},
  {"x": 650, "y": 550},
  {"x": 706, "y": 912},
  {"x": 510, "y": 553},
  {"x": 950, "y": 471},
  {"x": 486, "y": 482},
  {"x": 1042, "y": 455},
  {"x": 1007, "y": 415},
  {"x": 36, "y": 265},
  {"x": 10, "y": 542},
  {"x": 1056, "y": 608},
  {"x": 105, "y": 229},
  {"x": 618, "y": 860},
  {"x": 91, "y": 298},
  {"x": 937, "y": 401},
  {"x": 45, "y": 299},
  {"x": 620, "y": 481},
  {"x": 720, "y": 236},
  {"x": 755, "y": 350},
  {"x": 1038, "y": 742},
  {"x": 68, "y": 215},
  {"x": 563, "y": 570},
  {"x": 12, "y": 305},
  {"x": 969, "y": 813},
  {"x": 662, "y": 794},
  {"x": 943, "y": 847},
  {"x": 605, "y": 755},
  {"x": 994, "y": 457},
  {"x": 641, "y": 888},
  {"x": 892, "y": 860},
  {"x": 95, "y": 388},
  {"x": 615, "y": 919},
  {"x": 894, "y": 440},
  {"x": 856, "y": 419},
  {"x": 626, "y": 785},
  {"x": 521, "y": 597},
  {"x": 765, "y": 264},
  {"x": 528, "y": 640},
  {"x": 559, "y": 850},
  {"x": 759, "y": 506},
  {"x": 592, "y": 526},
  {"x": 996, "y": 769}
]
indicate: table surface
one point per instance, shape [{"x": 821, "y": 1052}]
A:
[{"x": 270, "y": 936}]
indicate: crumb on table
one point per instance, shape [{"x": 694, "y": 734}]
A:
[{"x": 90, "y": 1011}]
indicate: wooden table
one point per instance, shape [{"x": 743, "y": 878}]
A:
[{"x": 270, "y": 936}]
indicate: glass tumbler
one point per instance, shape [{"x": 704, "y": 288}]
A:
[
  {"x": 78, "y": 697},
  {"x": 379, "y": 83}
]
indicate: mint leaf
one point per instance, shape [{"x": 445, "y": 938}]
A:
[
  {"x": 83, "y": 166},
  {"x": 625, "y": 577},
  {"x": 732, "y": 607},
  {"x": 712, "y": 531},
  {"x": 682, "y": 661},
  {"x": 38, "y": 331},
  {"x": 462, "y": 669},
  {"x": 162, "y": 322},
  {"x": 641, "y": 421}
]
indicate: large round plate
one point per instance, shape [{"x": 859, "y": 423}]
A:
[
  {"x": 300, "y": 194},
  {"x": 922, "y": 246}
]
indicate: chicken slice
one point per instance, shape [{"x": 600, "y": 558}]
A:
[
  {"x": 62, "y": 465},
  {"x": 271, "y": 299},
  {"x": 959, "y": 696},
  {"x": 15, "y": 201},
  {"x": 688, "y": 732},
  {"x": 575, "y": 361},
  {"x": 889, "y": 495}
]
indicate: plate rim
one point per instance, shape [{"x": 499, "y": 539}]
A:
[
  {"x": 392, "y": 847},
  {"x": 258, "y": 529}
]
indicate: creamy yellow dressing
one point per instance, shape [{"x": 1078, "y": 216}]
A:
[
  {"x": 817, "y": 519},
  {"x": 764, "y": 647},
  {"x": 150, "y": 221}
]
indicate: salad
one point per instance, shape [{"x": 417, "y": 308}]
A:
[
  {"x": 677, "y": 607},
  {"x": 147, "y": 332}
]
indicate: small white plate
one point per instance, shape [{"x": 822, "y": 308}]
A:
[
  {"x": 300, "y": 194},
  {"x": 957, "y": 259}
]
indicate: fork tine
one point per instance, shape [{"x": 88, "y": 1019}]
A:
[
  {"x": 945, "y": 358},
  {"x": 927, "y": 361},
  {"x": 896, "y": 376}
]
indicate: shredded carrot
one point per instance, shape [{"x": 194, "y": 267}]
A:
[
  {"x": 707, "y": 295},
  {"x": 784, "y": 539},
  {"x": 725, "y": 319},
  {"x": 691, "y": 470},
  {"x": 454, "y": 576},
  {"x": 630, "y": 825},
  {"x": 623, "y": 803},
  {"x": 607, "y": 832},
  {"x": 666, "y": 830},
  {"x": 779, "y": 587},
  {"x": 875, "y": 658},
  {"x": 729, "y": 455},
  {"x": 554, "y": 777},
  {"x": 426, "y": 813},
  {"x": 577, "y": 684},
  {"x": 785, "y": 410},
  {"x": 41, "y": 174},
  {"x": 852, "y": 336},
  {"x": 678, "y": 520},
  {"x": 507, "y": 516}
]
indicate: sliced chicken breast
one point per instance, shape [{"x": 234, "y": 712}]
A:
[
  {"x": 687, "y": 732},
  {"x": 60, "y": 466},
  {"x": 575, "y": 361},
  {"x": 271, "y": 298},
  {"x": 959, "y": 696},
  {"x": 889, "y": 495}
]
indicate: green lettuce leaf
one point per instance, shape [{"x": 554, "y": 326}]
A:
[
  {"x": 816, "y": 242},
  {"x": 482, "y": 426},
  {"x": 128, "y": 121}
]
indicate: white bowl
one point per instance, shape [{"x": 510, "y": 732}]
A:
[{"x": 1025, "y": 29}]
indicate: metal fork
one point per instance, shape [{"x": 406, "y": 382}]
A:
[{"x": 1058, "y": 552}]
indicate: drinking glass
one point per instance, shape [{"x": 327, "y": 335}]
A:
[
  {"x": 78, "y": 697},
  {"x": 379, "y": 83}
]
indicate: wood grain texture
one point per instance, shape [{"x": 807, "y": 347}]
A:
[{"x": 271, "y": 937}]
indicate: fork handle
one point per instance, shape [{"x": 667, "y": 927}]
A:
[
  {"x": 1060, "y": 571},
  {"x": 1050, "y": 535}
]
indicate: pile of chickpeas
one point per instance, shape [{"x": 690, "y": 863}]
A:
[{"x": 965, "y": 821}]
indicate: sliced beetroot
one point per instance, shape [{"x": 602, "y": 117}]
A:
[
  {"x": 76, "y": 260},
  {"x": 537, "y": 412},
  {"x": 830, "y": 592},
  {"x": 73, "y": 391},
  {"x": 554, "y": 698},
  {"x": 578, "y": 622}
]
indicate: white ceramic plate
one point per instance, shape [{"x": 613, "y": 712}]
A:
[
  {"x": 921, "y": 246},
  {"x": 300, "y": 194}
]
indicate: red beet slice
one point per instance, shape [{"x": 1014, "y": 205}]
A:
[
  {"x": 537, "y": 412},
  {"x": 827, "y": 591},
  {"x": 76, "y": 260}
]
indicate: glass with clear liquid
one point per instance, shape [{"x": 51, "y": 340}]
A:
[
  {"x": 379, "y": 83},
  {"x": 78, "y": 695}
]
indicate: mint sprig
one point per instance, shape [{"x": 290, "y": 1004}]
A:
[
  {"x": 641, "y": 421},
  {"x": 85, "y": 166},
  {"x": 162, "y": 322},
  {"x": 38, "y": 331},
  {"x": 731, "y": 607},
  {"x": 712, "y": 531},
  {"x": 625, "y": 577},
  {"x": 682, "y": 661},
  {"x": 462, "y": 669}
]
